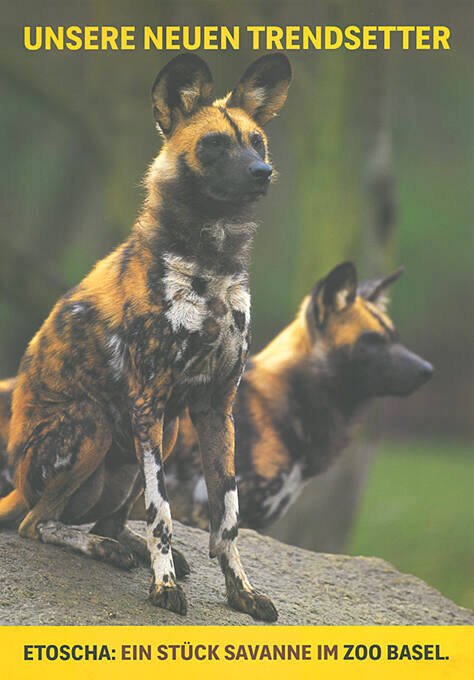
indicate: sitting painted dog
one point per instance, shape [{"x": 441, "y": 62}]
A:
[{"x": 159, "y": 326}]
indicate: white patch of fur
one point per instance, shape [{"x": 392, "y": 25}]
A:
[
  {"x": 382, "y": 302},
  {"x": 77, "y": 309},
  {"x": 291, "y": 488},
  {"x": 161, "y": 564},
  {"x": 200, "y": 491},
  {"x": 341, "y": 300},
  {"x": 236, "y": 565},
  {"x": 79, "y": 540},
  {"x": 229, "y": 547},
  {"x": 226, "y": 546},
  {"x": 151, "y": 469},
  {"x": 218, "y": 545},
  {"x": 239, "y": 296},
  {"x": 117, "y": 352},
  {"x": 189, "y": 310},
  {"x": 62, "y": 461},
  {"x": 257, "y": 95},
  {"x": 164, "y": 166},
  {"x": 185, "y": 313},
  {"x": 186, "y": 306},
  {"x": 60, "y": 534},
  {"x": 231, "y": 511},
  {"x": 189, "y": 95},
  {"x": 181, "y": 349},
  {"x": 6, "y": 475},
  {"x": 223, "y": 101}
]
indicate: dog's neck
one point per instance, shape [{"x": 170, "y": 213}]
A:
[
  {"x": 181, "y": 220},
  {"x": 314, "y": 408},
  {"x": 326, "y": 411}
]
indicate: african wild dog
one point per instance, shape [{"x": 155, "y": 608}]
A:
[
  {"x": 298, "y": 399},
  {"x": 159, "y": 325}
]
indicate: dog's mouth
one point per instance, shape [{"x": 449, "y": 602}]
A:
[
  {"x": 256, "y": 191},
  {"x": 245, "y": 196},
  {"x": 255, "y": 194}
]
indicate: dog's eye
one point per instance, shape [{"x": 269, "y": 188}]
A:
[
  {"x": 373, "y": 339},
  {"x": 215, "y": 141},
  {"x": 256, "y": 140}
]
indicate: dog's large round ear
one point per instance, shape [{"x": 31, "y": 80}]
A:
[
  {"x": 374, "y": 289},
  {"x": 180, "y": 88},
  {"x": 262, "y": 90},
  {"x": 334, "y": 293}
]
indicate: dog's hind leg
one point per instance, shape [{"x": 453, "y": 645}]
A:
[
  {"x": 126, "y": 484},
  {"x": 98, "y": 547},
  {"x": 13, "y": 508},
  {"x": 90, "y": 439},
  {"x": 87, "y": 442}
]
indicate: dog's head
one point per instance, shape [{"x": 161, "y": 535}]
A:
[
  {"x": 351, "y": 322},
  {"x": 218, "y": 146}
]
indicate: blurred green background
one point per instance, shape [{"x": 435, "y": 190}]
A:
[
  {"x": 417, "y": 511},
  {"x": 374, "y": 152}
]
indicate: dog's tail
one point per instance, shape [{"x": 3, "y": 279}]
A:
[
  {"x": 12, "y": 508},
  {"x": 6, "y": 393}
]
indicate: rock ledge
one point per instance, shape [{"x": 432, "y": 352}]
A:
[{"x": 45, "y": 585}]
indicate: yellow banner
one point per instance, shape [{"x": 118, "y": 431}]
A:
[{"x": 378, "y": 652}]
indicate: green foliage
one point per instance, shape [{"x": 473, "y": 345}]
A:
[{"x": 418, "y": 514}]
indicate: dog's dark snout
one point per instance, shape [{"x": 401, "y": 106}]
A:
[
  {"x": 408, "y": 371},
  {"x": 260, "y": 171}
]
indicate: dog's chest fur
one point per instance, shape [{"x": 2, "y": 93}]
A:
[{"x": 209, "y": 314}]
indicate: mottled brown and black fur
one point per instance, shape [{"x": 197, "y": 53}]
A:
[{"x": 158, "y": 326}]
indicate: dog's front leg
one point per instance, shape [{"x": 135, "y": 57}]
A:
[
  {"x": 215, "y": 431},
  {"x": 147, "y": 416}
]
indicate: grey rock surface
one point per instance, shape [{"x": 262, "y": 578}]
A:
[{"x": 44, "y": 584}]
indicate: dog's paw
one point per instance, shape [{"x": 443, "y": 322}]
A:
[
  {"x": 111, "y": 551},
  {"x": 181, "y": 565},
  {"x": 252, "y": 602},
  {"x": 136, "y": 544},
  {"x": 168, "y": 597}
]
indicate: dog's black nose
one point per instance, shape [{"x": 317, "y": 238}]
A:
[
  {"x": 425, "y": 371},
  {"x": 260, "y": 171}
]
